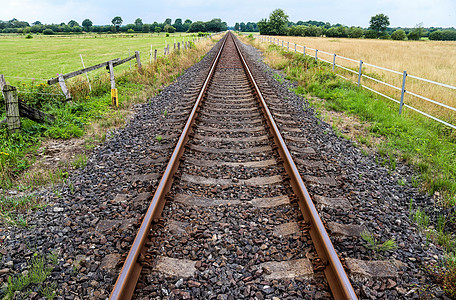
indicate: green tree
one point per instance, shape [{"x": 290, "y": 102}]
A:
[
  {"x": 398, "y": 35},
  {"x": 178, "y": 25},
  {"x": 170, "y": 29},
  {"x": 197, "y": 27},
  {"x": 186, "y": 25},
  {"x": 355, "y": 32},
  {"x": 168, "y": 21},
  {"x": 146, "y": 28},
  {"x": 158, "y": 29},
  {"x": 236, "y": 26},
  {"x": 86, "y": 24},
  {"x": 117, "y": 21},
  {"x": 73, "y": 23},
  {"x": 379, "y": 23},
  {"x": 278, "y": 23},
  {"x": 138, "y": 24}
]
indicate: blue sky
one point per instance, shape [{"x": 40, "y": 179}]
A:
[{"x": 405, "y": 13}]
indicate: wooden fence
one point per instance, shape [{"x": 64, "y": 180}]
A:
[{"x": 16, "y": 108}]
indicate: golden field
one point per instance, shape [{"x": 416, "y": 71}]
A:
[{"x": 432, "y": 60}]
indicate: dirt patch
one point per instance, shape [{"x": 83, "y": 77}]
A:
[{"x": 350, "y": 127}]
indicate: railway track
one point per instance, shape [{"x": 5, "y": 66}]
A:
[{"x": 238, "y": 210}]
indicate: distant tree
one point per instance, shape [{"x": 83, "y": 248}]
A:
[
  {"x": 214, "y": 25},
  {"x": 236, "y": 26},
  {"x": 158, "y": 29},
  {"x": 168, "y": 28},
  {"x": 355, "y": 32},
  {"x": 73, "y": 23},
  {"x": 379, "y": 23},
  {"x": 186, "y": 25},
  {"x": 435, "y": 35},
  {"x": 178, "y": 25},
  {"x": 276, "y": 25},
  {"x": 249, "y": 27},
  {"x": 197, "y": 27},
  {"x": 117, "y": 21},
  {"x": 86, "y": 24},
  {"x": 37, "y": 23},
  {"x": 242, "y": 26},
  {"x": 48, "y": 31},
  {"x": 138, "y": 24},
  {"x": 146, "y": 28},
  {"x": 168, "y": 21},
  {"x": 398, "y": 35}
]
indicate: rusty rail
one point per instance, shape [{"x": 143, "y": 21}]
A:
[
  {"x": 128, "y": 277},
  {"x": 339, "y": 283}
]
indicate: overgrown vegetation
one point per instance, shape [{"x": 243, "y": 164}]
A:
[
  {"x": 426, "y": 145},
  {"x": 89, "y": 114},
  {"x": 13, "y": 209},
  {"x": 32, "y": 281}
]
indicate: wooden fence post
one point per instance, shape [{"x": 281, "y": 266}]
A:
[
  {"x": 65, "y": 90},
  {"x": 138, "y": 61},
  {"x": 155, "y": 55},
  {"x": 114, "y": 94},
  {"x": 12, "y": 108},
  {"x": 178, "y": 46}
]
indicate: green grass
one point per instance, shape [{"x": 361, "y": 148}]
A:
[
  {"x": 13, "y": 209},
  {"x": 427, "y": 145},
  {"x": 90, "y": 112},
  {"x": 42, "y": 57},
  {"x": 22, "y": 285}
]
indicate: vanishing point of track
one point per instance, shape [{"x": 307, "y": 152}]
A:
[{"x": 231, "y": 151}]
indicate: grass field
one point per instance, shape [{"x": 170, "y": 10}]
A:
[
  {"x": 433, "y": 60},
  {"x": 42, "y": 57},
  {"x": 90, "y": 114}
]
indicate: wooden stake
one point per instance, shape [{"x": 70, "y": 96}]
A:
[
  {"x": 12, "y": 108},
  {"x": 138, "y": 61},
  {"x": 65, "y": 90},
  {"x": 155, "y": 55}
]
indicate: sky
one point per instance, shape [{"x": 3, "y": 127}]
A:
[{"x": 401, "y": 13}]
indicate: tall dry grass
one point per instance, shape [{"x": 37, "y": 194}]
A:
[{"x": 433, "y": 60}]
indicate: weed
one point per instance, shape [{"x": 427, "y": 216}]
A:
[
  {"x": 80, "y": 161},
  {"x": 401, "y": 181},
  {"x": 375, "y": 245},
  {"x": 421, "y": 218},
  {"x": 159, "y": 138},
  {"x": 39, "y": 269}
]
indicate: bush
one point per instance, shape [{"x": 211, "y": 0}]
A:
[
  {"x": 130, "y": 30},
  {"x": 436, "y": 36},
  {"x": 29, "y": 36},
  {"x": 167, "y": 34},
  {"x": 414, "y": 35},
  {"x": 355, "y": 32},
  {"x": 398, "y": 35},
  {"x": 48, "y": 31},
  {"x": 449, "y": 35},
  {"x": 371, "y": 34}
]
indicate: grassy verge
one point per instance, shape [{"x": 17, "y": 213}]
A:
[
  {"x": 424, "y": 144},
  {"x": 87, "y": 117}
]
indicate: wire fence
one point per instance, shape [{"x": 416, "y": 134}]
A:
[{"x": 357, "y": 73}]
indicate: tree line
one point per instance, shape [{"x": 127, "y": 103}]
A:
[
  {"x": 278, "y": 24},
  {"x": 16, "y": 26}
]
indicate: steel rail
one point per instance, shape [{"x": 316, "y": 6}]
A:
[
  {"x": 339, "y": 283},
  {"x": 129, "y": 275}
]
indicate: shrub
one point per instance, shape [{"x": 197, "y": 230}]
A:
[
  {"x": 48, "y": 31},
  {"x": 371, "y": 34},
  {"x": 167, "y": 34},
  {"x": 130, "y": 30},
  {"x": 436, "y": 35},
  {"x": 414, "y": 35},
  {"x": 355, "y": 32},
  {"x": 398, "y": 35},
  {"x": 29, "y": 36}
]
